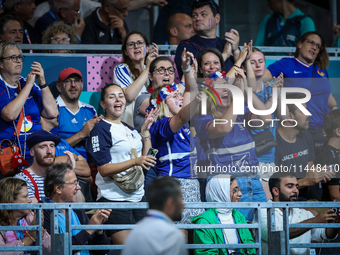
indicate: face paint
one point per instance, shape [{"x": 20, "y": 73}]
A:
[
  {"x": 128, "y": 54},
  {"x": 144, "y": 50},
  {"x": 209, "y": 22},
  {"x": 175, "y": 101},
  {"x": 219, "y": 67},
  {"x": 64, "y": 85}
]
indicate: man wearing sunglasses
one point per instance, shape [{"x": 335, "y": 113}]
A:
[
  {"x": 205, "y": 18},
  {"x": 285, "y": 26},
  {"x": 106, "y": 24}
]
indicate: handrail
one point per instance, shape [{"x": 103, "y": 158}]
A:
[
  {"x": 162, "y": 48},
  {"x": 68, "y": 247}
]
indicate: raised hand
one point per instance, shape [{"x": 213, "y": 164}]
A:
[
  {"x": 186, "y": 59},
  {"x": 87, "y": 128},
  {"x": 150, "y": 119},
  {"x": 153, "y": 53},
  {"x": 39, "y": 72},
  {"x": 233, "y": 38},
  {"x": 278, "y": 82}
]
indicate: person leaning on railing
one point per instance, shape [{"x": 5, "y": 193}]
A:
[
  {"x": 222, "y": 189},
  {"x": 14, "y": 190}
]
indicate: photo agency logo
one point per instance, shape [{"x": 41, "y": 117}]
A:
[{"x": 238, "y": 104}]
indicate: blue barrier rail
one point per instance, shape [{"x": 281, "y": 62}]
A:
[{"x": 65, "y": 240}]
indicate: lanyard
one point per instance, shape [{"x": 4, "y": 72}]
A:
[
  {"x": 53, "y": 16},
  {"x": 19, "y": 233}
]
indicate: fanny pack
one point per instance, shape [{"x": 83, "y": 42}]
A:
[
  {"x": 264, "y": 141},
  {"x": 134, "y": 176}
]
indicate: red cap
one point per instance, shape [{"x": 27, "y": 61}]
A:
[{"x": 67, "y": 72}]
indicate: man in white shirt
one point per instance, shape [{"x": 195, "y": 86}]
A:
[
  {"x": 284, "y": 188},
  {"x": 156, "y": 233}
]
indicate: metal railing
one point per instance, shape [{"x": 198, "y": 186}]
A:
[
  {"x": 163, "y": 49},
  {"x": 62, "y": 243}
]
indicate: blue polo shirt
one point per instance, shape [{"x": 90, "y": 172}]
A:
[
  {"x": 299, "y": 75},
  {"x": 71, "y": 123}
]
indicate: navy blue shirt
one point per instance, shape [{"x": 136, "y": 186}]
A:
[{"x": 195, "y": 44}]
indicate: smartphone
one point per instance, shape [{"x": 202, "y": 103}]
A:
[{"x": 152, "y": 152}]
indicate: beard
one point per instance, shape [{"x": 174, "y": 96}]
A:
[
  {"x": 41, "y": 160},
  {"x": 283, "y": 198}
]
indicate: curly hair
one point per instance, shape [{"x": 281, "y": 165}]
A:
[
  {"x": 10, "y": 189},
  {"x": 58, "y": 28},
  {"x": 126, "y": 59}
]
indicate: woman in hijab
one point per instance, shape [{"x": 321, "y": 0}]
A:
[{"x": 223, "y": 189}]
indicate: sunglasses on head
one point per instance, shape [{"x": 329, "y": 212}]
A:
[{"x": 208, "y": 1}]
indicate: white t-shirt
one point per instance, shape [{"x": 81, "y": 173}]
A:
[
  {"x": 296, "y": 215},
  {"x": 108, "y": 143},
  {"x": 122, "y": 76}
]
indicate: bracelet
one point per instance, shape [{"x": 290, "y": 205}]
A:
[
  {"x": 182, "y": 83},
  {"x": 187, "y": 70},
  {"x": 28, "y": 234},
  {"x": 43, "y": 86},
  {"x": 147, "y": 137},
  {"x": 237, "y": 66}
]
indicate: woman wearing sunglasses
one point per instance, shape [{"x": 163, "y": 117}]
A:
[
  {"x": 132, "y": 74},
  {"x": 308, "y": 70}
]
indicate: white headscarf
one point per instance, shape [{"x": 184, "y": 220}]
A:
[{"x": 218, "y": 190}]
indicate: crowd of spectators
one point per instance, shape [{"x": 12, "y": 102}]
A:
[{"x": 164, "y": 135}]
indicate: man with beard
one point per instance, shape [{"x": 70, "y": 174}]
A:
[
  {"x": 284, "y": 187},
  {"x": 76, "y": 119},
  {"x": 42, "y": 148},
  {"x": 156, "y": 234},
  {"x": 295, "y": 150}
]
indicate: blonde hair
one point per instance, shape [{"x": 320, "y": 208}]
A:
[
  {"x": 10, "y": 189},
  {"x": 5, "y": 46},
  {"x": 162, "y": 107}
]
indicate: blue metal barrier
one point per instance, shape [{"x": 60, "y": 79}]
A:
[{"x": 62, "y": 243}]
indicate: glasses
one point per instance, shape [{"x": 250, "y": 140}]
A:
[
  {"x": 72, "y": 183},
  {"x": 68, "y": 82},
  {"x": 15, "y": 58},
  {"x": 313, "y": 43},
  {"x": 236, "y": 190},
  {"x": 162, "y": 70},
  {"x": 60, "y": 40},
  {"x": 133, "y": 44},
  {"x": 75, "y": 12},
  {"x": 121, "y": 10}
]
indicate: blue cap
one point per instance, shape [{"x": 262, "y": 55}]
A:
[{"x": 41, "y": 136}]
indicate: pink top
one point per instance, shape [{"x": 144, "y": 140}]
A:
[{"x": 46, "y": 240}]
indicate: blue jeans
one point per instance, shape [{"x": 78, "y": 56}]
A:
[{"x": 252, "y": 191}]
